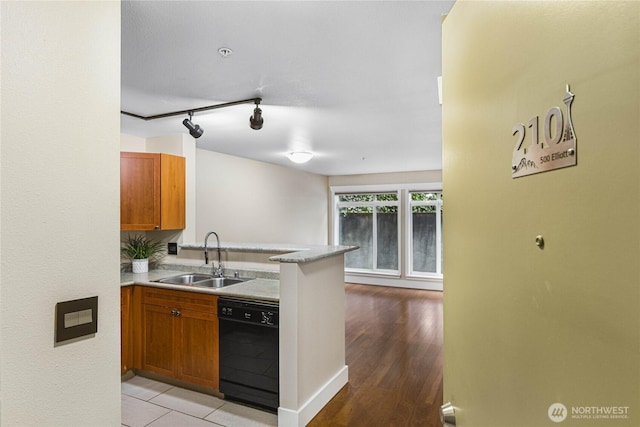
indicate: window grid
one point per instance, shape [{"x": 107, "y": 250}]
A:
[
  {"x": 374, "y": 206},
  {"x": 427, "y": 195},
  {"x": 436, "y": 203}
]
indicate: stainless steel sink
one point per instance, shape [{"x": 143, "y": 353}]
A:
[
  {"x": 186, "y": 279},
  {"x": 197, "y": 279},
  {"x": 217, "y": 282}
]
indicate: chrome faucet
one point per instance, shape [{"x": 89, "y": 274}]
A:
[{"x": 215, "y": 271}]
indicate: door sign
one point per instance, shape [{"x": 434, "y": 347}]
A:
[{"x": 558, "y": 149}]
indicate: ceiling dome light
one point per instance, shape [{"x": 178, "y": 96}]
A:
[{"x": 300, "y": 156}]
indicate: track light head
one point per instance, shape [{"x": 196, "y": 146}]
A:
[
  {"x": 256, "y": 120},
  {"x": 194, "y": 130}
]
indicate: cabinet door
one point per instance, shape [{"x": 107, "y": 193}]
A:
[
  {"x": 172, "y": 191},
  {"x": 158, "y": 345},
  {"x": 126, "y": 355},
  {"x": 180, "y": 335},
  {"x": 139, "y": 191},
  {"x": 198, "y": 348}
]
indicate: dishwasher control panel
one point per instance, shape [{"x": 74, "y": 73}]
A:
[{"x": 248, "y": 311}]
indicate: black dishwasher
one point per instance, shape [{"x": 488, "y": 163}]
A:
[{"x": 249, "y": 351}]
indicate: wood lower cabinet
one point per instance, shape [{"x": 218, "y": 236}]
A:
[
  {"x": 152, "y": 191},
  {"x": 179, "y": 335},
  {"x": 198, "y": 348},
  {"x": 126, "y": 336},
  {"x": 158, "y": 340}
]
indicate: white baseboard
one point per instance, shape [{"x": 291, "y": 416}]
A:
[
  {"x": 302, "y": 416},
  {"x": 426, "y": 284}
]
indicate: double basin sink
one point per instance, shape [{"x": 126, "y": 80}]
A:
[{"x": 198, "y": 279}]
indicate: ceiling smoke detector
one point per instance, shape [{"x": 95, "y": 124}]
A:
[{"x": 225, "y": 51}]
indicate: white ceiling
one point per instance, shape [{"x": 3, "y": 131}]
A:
[{"x": 355, "y": 82}]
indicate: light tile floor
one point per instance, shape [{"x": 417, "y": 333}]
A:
[{"x": 151, "y": 403}]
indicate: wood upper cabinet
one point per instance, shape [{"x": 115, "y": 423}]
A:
[
  {"x": 152, "y": 191},
  {"x": 180, "y": 335}
]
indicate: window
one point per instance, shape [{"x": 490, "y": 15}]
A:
[
  {"x": 398, "y": 229},
  {"x": 425, "y": 236},
  {"x": 371, "y": 221}
]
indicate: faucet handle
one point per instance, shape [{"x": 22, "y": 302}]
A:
[{"x": 217, "y": 271}]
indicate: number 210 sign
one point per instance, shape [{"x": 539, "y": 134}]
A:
[{"x": 558, "y": 150}]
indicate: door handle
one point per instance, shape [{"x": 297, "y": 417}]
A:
[{"x": 447, "y": 415}]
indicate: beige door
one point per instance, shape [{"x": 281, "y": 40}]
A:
[{"x": 542, "y": 336}]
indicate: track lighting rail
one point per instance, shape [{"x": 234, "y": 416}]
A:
[{"x": 193, "y": 110}]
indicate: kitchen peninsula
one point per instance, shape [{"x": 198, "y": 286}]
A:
[{"x": 310, "y": 292}]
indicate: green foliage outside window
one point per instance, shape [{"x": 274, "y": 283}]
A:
[
  {"x": 425, "y": 197},
  {"x": 366, "y": 198}
]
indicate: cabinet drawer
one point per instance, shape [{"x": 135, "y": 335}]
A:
[{"x": 180, "y": 299}]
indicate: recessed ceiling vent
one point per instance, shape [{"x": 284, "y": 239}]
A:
[{"x": 225, "y": 51}]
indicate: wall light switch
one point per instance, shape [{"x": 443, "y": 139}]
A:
[
  {"x": 71, "y": 319},
  {"x": 85, "y": 316},
  {"x": 76, "y": 318}
]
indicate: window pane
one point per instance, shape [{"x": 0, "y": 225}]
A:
[
  {"x": 420, "y": 197},
  {"x": 387, "y": 197},
  {"x": 356, "y": 197},
  {"x": 424, "y": 239},
  {"x": 356, "y": 228},
  {"x": 387, "y": 238}
]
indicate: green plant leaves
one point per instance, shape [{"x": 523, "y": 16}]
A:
[{"x": 140, "y": 247}]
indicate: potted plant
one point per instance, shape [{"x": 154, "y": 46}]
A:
[{"x": 141, "y": 250}]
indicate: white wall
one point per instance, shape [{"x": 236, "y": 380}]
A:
[
  {"x": 313, "y": 351},
  {"x": 387, "y": 178},
  {"x": 249, "y": 201},
  {"x": 60, "y": 86},
  {"x": 132, "y": 143}
]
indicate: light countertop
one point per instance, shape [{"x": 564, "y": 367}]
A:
[
  {"x": 264, "y": 289},
  {"x": 291, "y": 253},
  {"x": 254, "y": 289}
]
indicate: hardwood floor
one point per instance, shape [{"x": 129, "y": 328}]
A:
[{"x": 394, "y": 353}]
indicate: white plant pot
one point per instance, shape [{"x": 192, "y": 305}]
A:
[{"x": 140, "y": 265}]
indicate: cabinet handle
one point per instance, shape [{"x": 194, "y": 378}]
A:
[
  {"x": 156, "y": 227},
  {"x": 175, "y": 312}
]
